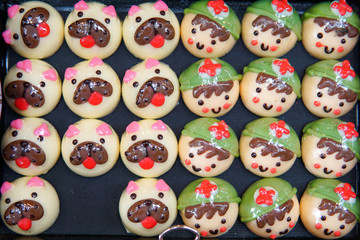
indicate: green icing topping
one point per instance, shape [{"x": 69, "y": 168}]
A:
[
  {"x": 250, "y": 210},
  {"x": 230, "y": 23},
  {"x": 324, "y": 189},
  {"x": 327, "y": 128},
  {"x": 260, "y": 128},
  {"x": 264, "y": 65},
  {"x": 199, "y": 128},
  {"x": 226, "y": 193},
  {"x": 190, "y": 77},
  {"x": 264, "y": 8}
]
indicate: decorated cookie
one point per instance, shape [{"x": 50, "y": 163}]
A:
[
  {"x": 330, "y": 88},
  {"x": 147, "y": 207},
  {"x": 270, "y": 28},
  {"x": 207, "y": 147},
  {"x": 270, "y": 208},
  {"x": 32, "y": 88},
  {"x": 29, "y": 205},
  {"x": 148, "y": 148},
  {"x": 90, "y": 147},
  {"x": 93, "y": 30},
  {"x": 329, "y": 208},
  {"x": 330, "y": 29},
  {"x": 209, "y": 205},
  {"x": 151, "y": 30},
  {"x": 30, "y": 146},
  {"x": 209, "y": 29},
  {"x": 210, "y": 87},
  {"x": 34, "y": 29},
  {"x": 150, "y": 89},
  {"x": 91, "y": 88},
  {"x": 269, "y": 87},
  {"x": 269, "y": 147},
  {"x": 330, "y": 147}
]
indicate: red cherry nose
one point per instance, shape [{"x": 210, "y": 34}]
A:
[
  {"x": 158, "y": 99},
  {"x": 147, "y": 163},
  {"x": 95, "y": 98},
  {"x": 24, "y": 224},
  {"x": 158, "y": 41},
  {"x": 23, "y": 162},
  {"x": 87, "y": 42},
  {"x": 21, "y": 104},
  {"x": 43, "y": 29},
  {"x": 149, "y": 222},
  {"x": 89, "y": 163}
]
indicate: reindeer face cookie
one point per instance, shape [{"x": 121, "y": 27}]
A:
[
  {"x": 93, "y": 30},
  {"x": 32, "y": 88},
  {"x": 90, "y": 147},
  {"x": 151, "y": 30},
  {"x": 34, "y": 29},
  {"x": 91, "y": 88},
  {"x": 148, "y": 148},
  {"x": 29, "y": 205},
  {"x": 147, "y": 207}
]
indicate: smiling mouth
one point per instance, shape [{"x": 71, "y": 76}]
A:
[
  {"x": 326, "y": 50},
  {"x": 284, "y": 232},
  {"x": 262, "y": 169},
  {"x": 264, "y": 48},
  {"x": 326, "y": 232},
  {"x": 326, "y": 171},
  {"x": 214, "y": 232},
  {"x": 326, "y": 109},
  {"x": 196, "y": 169},
  {"x": 267, "y": 107},
  {"x": 199, "y": 46},
  {"x": 216, "y": 112}
]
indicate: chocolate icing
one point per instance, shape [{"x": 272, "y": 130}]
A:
[
  {"x": 23, "y": 209},
  {"x": 267, "y": 23},
  {"x": 151, "y": 87},
  {"x": 341, "y": 28},
  {"x": 335, "y": 88},
  {"x": 88, "y": 149},
  {"x": 86, "y": 87},
  {"x": 23, "y": 89},
  {"x": 216, "y": 29},
  {"x": 278, "y": 213},
  {"x": 270, "y": 148},
  {"x": 22, "y": 148},
  {"x": 333, "y": 208},
  {"x": 210, "y": 148},
  {"x": 333, "y": 147},
  {"x": 152, "y": 27},
  {"x": 199, "y": 210},
  {"x": 146, "y": 208},
  {"x": 147, "y": 148},
  {"x": 274, "y": 83},
  {"x": 29, "y": 24},
  {"x": 217, "y": 88}
]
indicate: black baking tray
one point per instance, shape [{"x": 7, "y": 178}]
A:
[{"x": 89, "y": 206}]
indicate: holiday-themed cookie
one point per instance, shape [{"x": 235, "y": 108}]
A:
[
  {"x": 270, "y": 28},
  {"x": 270, "y": 208},
  {"x": 29, "y": 205},
  {"x": 330, "y": 147},
  {"x": 91, "y": 89},
  {"x": 210, "y": 87},
  {"x": 147, "y": 207},
  {"x": 209, "y": 205},
  {"x": 151, "y": 30},
  {"x": 148, "y": 148},
  {"x": 150, "y": 89},
  {"x": 329, "y": 208},
  {"x": 30, "y": 146},
  {"x": 32, "y": 88},
  {"x": 34, "y": 29},
  {"x": 209, "y": 29},
  {"x": 269, "y": 147},
  {"x": 207, "y": 147},
  {"x": 330, "y": 88},
  {"x": 330, "y": 29},
  {"x": 93, "y": 30},
  {"x": 269, "y": 87},
  {"x": 90, "y": 147}
]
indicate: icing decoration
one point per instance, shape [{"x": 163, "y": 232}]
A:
[
  {"x": 220, "y": 130},
  {"x": 265, "y": 197},
  {"x": 87, "y": 41},
  {"x": 70, "y": 73},
  {"x": 159, "y": 125},
  {"x": 279, "y": 128},
  {"x": 43, "y": 29},
  {"x": 17, "y": 124},
  {"x": 7, "y": 36},
  {"x": 50, "y": 74},
  {"x": 158, "y": 99},
  {"x": 218, "y": 6},
  {"x": 150, "y": 62},
  {"x": 5, "y": 187},
  {"x": 348, "y": 130},
  {"x": 341, "y": 7},
  {"x": 284, "y": 66},
  {"x": 95, "y": 61},
  {"x": 131, "y": 187},
  {"x": 72, "y": 131},
  {"x": 129, "y": 75},
  {"x": 161, "y": 6},
  {"x": 344, "y": 70},
  {"x": 95, "y": 98},
  {"x": 21, "y": 104},
  {"x": 209, "y": 67},
  {"x": 133, "y": 9},
  {"x": 12, "y": 11},
  {"x": 42, "y": 131},
  {"x": 158, "y": 41},
  {"x": 35, "y": 182},
  {"x": 109, "y": 10},
  {"x": 81, "y": 5},
  {"x": 133, "y": 127},
  {"x": 281, "y": 5},
  {"x": 206, "y": 188},
  {"x": 162, "y": 186},
  {"x": 103, "y": 129},
  {"x": 345, "y": 192},
  {"x": 25, "y": 65}
]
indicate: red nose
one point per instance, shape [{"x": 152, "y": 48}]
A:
[
  {"x": 23, "y": 162},
  {"x": 158, "y": 41},
  {"x": 43, "y": 29},
  {"x": 147, "y": 163},
  {"x": 158, "y": 99},
  {"x": 149, "y": 222},
  {"x": 24, "y": 224},
  {"x": 87, "y": 42},
  {"x": 95, "y": 98},
  {"x": 89, "y": 163},
  {"x": 21, "y": 104}
]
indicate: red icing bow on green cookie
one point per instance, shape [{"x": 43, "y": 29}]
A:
[
  {"x": 345, "y": 70},
  {"x": 209, "y": 67},
  {"x": 345, "y": 191},
  {"x": 206, "y": 188},
  {"x": 282, "y": 5},
  {"x": 284, "y": 66},
  {"x": 265, "y": 197},
  {"x": 218, "y": 6},
  {"x": 342, "y": 7},
  {"x": 280, "y": 128},
  {"x": 220, "y": 130},
  {"x": 348, "y": 129}
]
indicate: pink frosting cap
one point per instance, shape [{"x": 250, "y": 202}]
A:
[
  {"x": 103, "y": 129},
  {"x": 151, "y": 62},
  {"x": 109, "y": 10},
  {"x": 81, "y": 5},
  {"x": 6, "y": 186},
  {"x": 35, "y": 182},
  {"x": 70, "y": 73},
  {"x": 133, "y": 127},
  {"x": 129, "y": 75},
  {"x": 134, "y": 9},
  {"x": 162, "y": 186},
  {"x": 25, "y": 65},
  {"x": 17, "y": 124},
  {"x": 161, "y": 6},
  {"x": 131, "y": 187},
  {"x": 42, "y": 130},
  {"x": 72, "y": 131},
  {"x": 95, "y": 61},
  {"x": 7, "y": 36},
  {"x": 159, "y": 125},
  {"x": 13, "y": 10},
  {"x": 50, "y": 74}
]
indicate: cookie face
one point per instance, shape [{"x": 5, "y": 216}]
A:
[
  {"x": 90, "y": 147},
  {"x": 152, "y": 30},
  {"x": 32, "y": 88},
  {"x": 34, "y": 29},
  {"x": 91, "y": 88},
  {"x": 93, "y": 30},
  {"x": 30, "y": 146},
  {"x": 148, "y": 148},
  {"x": 150, "y": 89},
  {"x": 147, "y": 207},
  {"x": 29, "y": 205}
]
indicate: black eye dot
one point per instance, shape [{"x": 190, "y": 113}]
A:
[
  {"x": 135, "y": 84},
  {"x": 323, "y": 156},
  {"x": 161, "y": 195},
  {"x": 73, "y": 81},
  {"x": 21, "y": 10},
  {"x": 278, "y": 164},
  {"x": 288, "y": 219},
  {"x": 223, "y": 221},
  {"x": 16, "y": 36},
  {"x": 42, "y": 84},
  {"x": 14, "y": 133},
  {"x": 98, "y": 72},
  {"x": 133, "y": 137},
  {"x": 80, "y": 14},
  {"x": 323, "y": 218},
  {"x": 133, "y": 196},
  {"x": 213, "y": 166},
  {"x": 343, "y": 41},
  {"x": 319, "y": 94},
  {"x": 74, "y": 142},
  {"x": 7, "y": 200},
  {"x": 160, "y": 137},
  {"x": 253, "y": 155},
  {"x": 197, "y": 225},
  {"x": 102, "y": 140},
  {"x": 278, "y": 41},
  {"x": 138, "y": 19},
  {"x": 227, "y": 97},
  {"x": 343, "y": 166},
  {"x": 34, "y": 195},
  {"x": 193, "y": 30},
  {"x": 258, "y": 90},
  {"x": 40, "y": 138},
  {"x": 320, "y": 35},
  {"x": 213, "y": 42},
  {"x": 201, "y": 102},
  {"x": 19, "y": 75},
  {"x": 191, "y": 155},
  {"x": 342, "y": 226},
  {"x": 107, "y": 20},
  {"x": 283, "y": 100},
  {"x": 162, "y": 13},
  {"x": 268, "y": 230},
  {"x": 341, "y": 104},
  {"x": 157, "y": 71},
  {"x": 256, "y": 32}
]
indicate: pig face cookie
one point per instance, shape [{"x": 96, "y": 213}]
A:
[
  {"x": 207, "y": 147},
  {"x": 32, "y": 88},
  {"x": 210, "y": 87},
  {"x": 90, "y": 147},
  {"x": 270, "y": 28},
  {"x": 34, "y": 29},
  {"x": 29, "y": 205},
  {"x": 91, "y": 88},
  {"x": 269, "y": 87},
  {"x": 148, "y": 148},
  {"x": 151, "y": 30},
  {"x": 269, "y": 147},
  {"x": 329, "y": 209},
  {"x": 209, "y": 205},
  {"x": 330, "y": 29},
  {"x": 270, "y": 208},
  {"x": 30, "y": 146},
  {"x": 330, "y": 88},
  {"x": 93, "y": 30},
  {"x": 150, "y": 89},
  {"x": 147, "y": 207},
  {"x": 209, "y": 29},
  {"x": 330, "y": 147}
]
